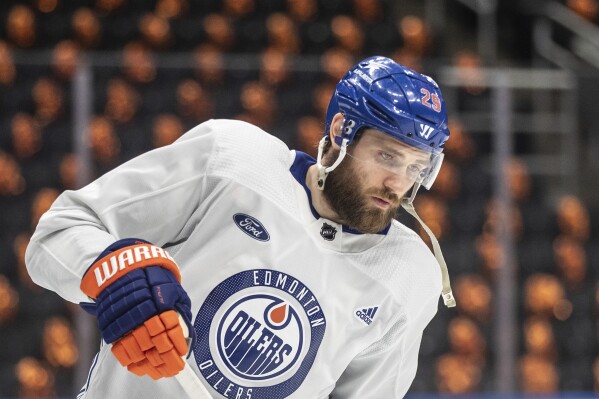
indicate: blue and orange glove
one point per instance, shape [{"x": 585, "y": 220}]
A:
[{"x": 139, "y": 302}]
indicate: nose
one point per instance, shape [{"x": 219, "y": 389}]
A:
[{"x": 398, "y": 184}]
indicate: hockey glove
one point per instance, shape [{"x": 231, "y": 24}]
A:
[{"x": 137, "y": 292}]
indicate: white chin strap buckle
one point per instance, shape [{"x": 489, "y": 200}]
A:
[{"x": 323, "y": 171}]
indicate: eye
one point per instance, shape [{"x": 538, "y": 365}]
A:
[
  {"x": 386, "y": 156},
  {"x": 415, "y": 170}
]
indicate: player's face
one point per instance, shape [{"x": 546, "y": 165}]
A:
[{"x": 367, "y": 187}]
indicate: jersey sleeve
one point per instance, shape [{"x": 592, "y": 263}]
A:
[
  {"x": 387, "y": 368},
  {"x": 150, "y": 197}
]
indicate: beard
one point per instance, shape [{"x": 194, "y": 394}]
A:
[{"x": 345, "y": 191}]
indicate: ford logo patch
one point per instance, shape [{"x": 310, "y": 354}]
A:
[{"x": 251, "y": 226}]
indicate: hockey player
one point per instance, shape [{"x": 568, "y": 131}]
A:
[{"x": 266, "y": 273}]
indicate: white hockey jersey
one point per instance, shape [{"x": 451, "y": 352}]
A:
[{"x": 286, "y": 304}]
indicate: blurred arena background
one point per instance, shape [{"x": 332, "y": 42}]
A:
[{"x": 88, "y": 84}]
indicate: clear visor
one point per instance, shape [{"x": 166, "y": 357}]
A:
[{"x": 412, "y": 164}]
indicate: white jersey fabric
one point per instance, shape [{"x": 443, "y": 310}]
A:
[{"x": 285, "y": 303}]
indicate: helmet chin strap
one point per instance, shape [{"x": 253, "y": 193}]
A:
[
  {"x": 447, "y": 294},
  {"x": 323, "y": 171}
]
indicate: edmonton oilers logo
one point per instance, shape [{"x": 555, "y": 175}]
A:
[
  {"x": 258, "y": 333},
  {"x": 259, "y": 344}
]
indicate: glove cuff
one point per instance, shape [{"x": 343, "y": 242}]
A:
[{"x": 114, "y": 265}]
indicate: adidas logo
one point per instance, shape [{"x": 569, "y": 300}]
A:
[{"x": 366, "y": 314}]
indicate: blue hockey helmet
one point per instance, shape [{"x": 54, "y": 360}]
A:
[{"x": 381, "y": 94}]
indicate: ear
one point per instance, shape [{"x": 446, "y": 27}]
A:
[{"x": 335, "y": 128}]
